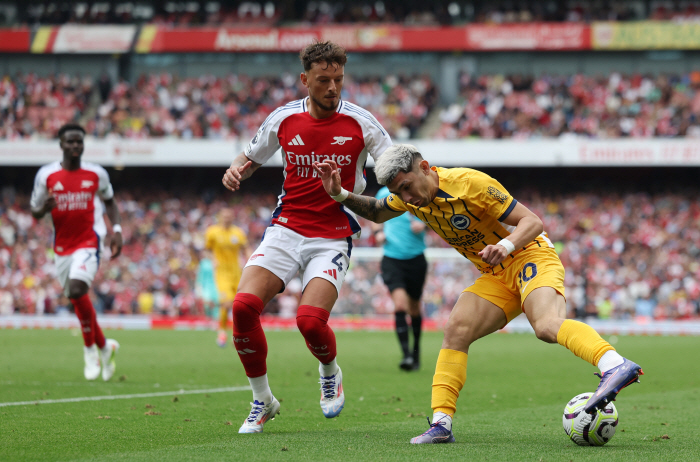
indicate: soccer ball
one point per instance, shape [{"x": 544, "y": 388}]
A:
[{"x": 586, "y": 429}]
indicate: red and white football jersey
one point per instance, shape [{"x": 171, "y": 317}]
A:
[
  {"x": 77, "y": 217},
  {"x": 346, "y": 137}
]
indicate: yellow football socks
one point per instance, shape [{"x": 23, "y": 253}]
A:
[
  {"x": 449, "y": 378},
  {"x": 223, "y": 318},
  {"x": 583, "y": 341}
]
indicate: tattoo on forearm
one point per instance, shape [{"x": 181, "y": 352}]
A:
[{"x": 364, "y": 206}]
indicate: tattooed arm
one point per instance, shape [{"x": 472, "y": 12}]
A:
[{"x": 365, "y": 206}]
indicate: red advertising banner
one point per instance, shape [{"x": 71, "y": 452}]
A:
[
  {"x": 540, "y": 36},
  {"x": 15, "y": 40}
]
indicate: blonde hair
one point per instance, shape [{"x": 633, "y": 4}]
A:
[{"x": 397, "y": 158}]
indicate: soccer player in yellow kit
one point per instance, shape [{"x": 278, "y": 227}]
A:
[
  {"x": 229, "y": 245},
  {"x": 520, "y": 271}
]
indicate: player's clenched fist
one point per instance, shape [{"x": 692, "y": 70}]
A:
[
  {"x": 234, "y": 175},
  {"x": 493, "y": 254}
]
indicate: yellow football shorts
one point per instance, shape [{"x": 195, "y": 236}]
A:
[
  {"x": 227, "y": 283},
  {"x": 532, "y": 268}
]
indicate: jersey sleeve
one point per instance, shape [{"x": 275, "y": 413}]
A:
[
  {"x": 377, "y": 139},
  {"x": 265, "y": 142},
  {"x": 209, "y": 238},
  {"x": 393, "y": 203},
  {"x": 104, "y": 188},
  {"x": 491, "y": 196},
  {"x": 40, "y": 192}
]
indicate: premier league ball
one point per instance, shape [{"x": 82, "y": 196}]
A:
[{"x": 586, "y": 429}]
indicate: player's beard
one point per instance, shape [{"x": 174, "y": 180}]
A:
[{"x": 326, "y": 107}]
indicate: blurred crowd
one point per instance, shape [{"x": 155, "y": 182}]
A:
[
  {"x": 287, "y": 12},
  {"x": 489, "y": 106},
  {"x": 614, "y": 106},
  {"x": 626, "y": 256},
  {"x": 164, "y": 105}
]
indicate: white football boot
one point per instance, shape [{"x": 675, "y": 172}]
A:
[
  {"x": 259, "y": 414},
  {"x": 332, "y": 395},
  {"x": 107, "y": 354},
  {"x": 92, "y": 362}
]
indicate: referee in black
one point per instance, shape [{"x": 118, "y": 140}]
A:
[{"x": 404, "y": 269}]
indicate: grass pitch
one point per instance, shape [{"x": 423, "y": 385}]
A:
[{"x": 510, "y": 408}]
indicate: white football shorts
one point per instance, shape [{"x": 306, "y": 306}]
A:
[
  {"x": 284, "y": 252},
  {"x": 81, "y": 264}
]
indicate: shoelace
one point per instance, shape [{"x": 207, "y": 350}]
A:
[
  {"x": 328, "y": 387},
  {"x": 257, "y": 409},
  {"x": 433, "y": 425},
  {"x": 600, "y": 384}
]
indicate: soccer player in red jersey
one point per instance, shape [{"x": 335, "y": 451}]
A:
[
  {"x": 310, "y": 232},
  {"x": 70, "y": 190}
]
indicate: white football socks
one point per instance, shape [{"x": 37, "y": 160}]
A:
[
  {"x": 261, "y": 389},
  {"x": 444, "y": 419},
  {"x": 609, "y": 360},
  {"x": 326, "y": 370}
]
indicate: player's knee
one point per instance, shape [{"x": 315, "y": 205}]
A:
[
  {"x": 546, "y": 330},
  {"x": 245, "y": 317},
  {"x": 309, "y": 324},
  {"x": 458, "y": 336},
  {"x": 76, "y": 289}
]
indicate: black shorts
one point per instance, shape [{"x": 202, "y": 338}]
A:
[{"x": 405, "y": 274}]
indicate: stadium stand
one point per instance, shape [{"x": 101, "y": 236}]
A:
[
  {"x": 614, "y": 106},
  {"x": 164, "y": 105},
  {"x": 490, "y": 106},
  {"x": 266, "y": 13},
  {"x": 625, "y": 256}
]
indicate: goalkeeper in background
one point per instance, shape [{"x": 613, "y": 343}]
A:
[
  {"x": 229, "y": 247},
  {"x": 520, "y": 271}
]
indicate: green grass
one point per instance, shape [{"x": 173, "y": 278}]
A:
[{"x": 510, "y": 408}]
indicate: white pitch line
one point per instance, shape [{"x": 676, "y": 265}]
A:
[{"x": 136, "y": 395}]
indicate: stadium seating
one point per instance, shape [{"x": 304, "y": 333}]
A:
[
  {"x": 163, "y": 105},
  {"x": 625, "y": 257},
  {"x": 490, "y": 106},
  {"x": 263, "y": 13},
  {"x": 615, "y": 106}
]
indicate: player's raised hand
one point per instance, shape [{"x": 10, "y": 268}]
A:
[
  {"x": 234, "y": 175},
  {"x": 493, "y": 254},
  {"x": 115, "y": 245},
  {"x": 328, "y": 171}
]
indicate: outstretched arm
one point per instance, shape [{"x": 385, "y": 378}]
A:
[
  {"x": 241, "y": 169},
  {"x": 365, "y": 206}
]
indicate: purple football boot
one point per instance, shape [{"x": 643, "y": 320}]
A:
[
  {"x": 437, "y": 433},
  {"x": 611, "y": 383}
]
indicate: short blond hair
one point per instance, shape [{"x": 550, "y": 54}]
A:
[{"x": 397, "y": 158}]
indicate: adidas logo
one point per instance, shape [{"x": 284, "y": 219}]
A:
[
  {"x": 245, "y": 351},
  {"x": 296, "y": 141},
  {"x": 332, "y": 272},
  {"x": 58, "y": 186}
]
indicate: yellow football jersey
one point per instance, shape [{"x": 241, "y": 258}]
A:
[
  {"x": 226, "y": 245},
  {"x": 468, "y": 213}
]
